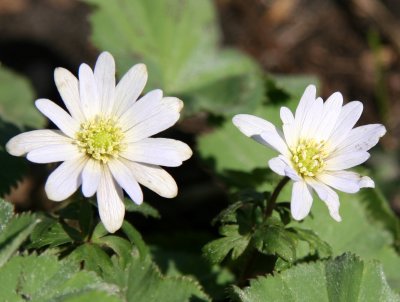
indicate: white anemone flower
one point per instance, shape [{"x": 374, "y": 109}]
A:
[
  {"x": 104, "y": 142},
  {"x": 317, "y": 146}
]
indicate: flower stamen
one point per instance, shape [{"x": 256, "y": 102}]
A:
[
  {"x": 100, "y": 138},
  {"x": 308, "y": 157}
]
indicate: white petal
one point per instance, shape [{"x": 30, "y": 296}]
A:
[
  {"x": 305, "y": 103},
  {"x": 277, "y": 165},
  {"x": 158, "y": 151},
  {"x": 126, "y": 179},
  {"x": 274, "y": 140},
  {"x": 292, "y": 174},
  {"x": 361, "y": 139},
  {"x": 91, "y": 177},
  {"x": 129, "y": 88},
  {"x": 346, "y": 161},
  {"x": 163, "y": 116},
  {"x": 252, "y": 126},
  {"x": 110, "y": 202},
  {"x": 366, "y": 182},
  {"x": 67, "y": 85},
  {"x": 328, "y": 196},
  {"x": 330, "y": 114},
  {"x": 58, "y": 116},
  {"x": 90, "y": 101},
  {"x": 348, "y": 117},
  {"x": 141, "y": 110},
  {"x": 104, "y": 74},
  {"x": 53, "y": 153},
  {"x": 345, "y": 181},
  {"x": 25, "y": 142},
  {"x": 154, "y": 178},
  {"x": 312, "y": 119},
  {"x": 301, "y": 202},
  {"x": 286, "y": 115},
  {"x": 65, "y": 180}
]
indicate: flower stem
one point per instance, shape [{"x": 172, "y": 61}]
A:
[{"x": 272, "y": 200}]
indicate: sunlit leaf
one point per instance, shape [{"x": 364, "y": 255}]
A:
[{"x": 346, "y": 278}]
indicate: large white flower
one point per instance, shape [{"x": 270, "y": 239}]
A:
[
  {"x": 317, "y": 146},
  {"x": 104, "y": 143}
]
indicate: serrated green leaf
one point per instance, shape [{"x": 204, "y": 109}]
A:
[
  {"x": 145, "y": 209},
  {"x": 119, "y": 245},
  {"x": 343, "y": 279},
  {"x": 316, "y": 244},
  {"x": 142, "y": 281},
  {"x": 234, "y": 242},
  {"x": 15, "y": 232},
  {"x": 275, "y": 240},
  {"x": 135, "y": 238},
  {"x": 358, "y": 232},
  {"x": 45, "y": 278},
  {"x": 16, "y": 100},
  {"x": 189, "y": 63},
  {"x": 6, "y": 213}
]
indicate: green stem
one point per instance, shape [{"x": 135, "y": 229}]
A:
[{"x": 272, "y": 200}]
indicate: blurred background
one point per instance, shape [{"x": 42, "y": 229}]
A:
[{"x": 350, "y": 46}]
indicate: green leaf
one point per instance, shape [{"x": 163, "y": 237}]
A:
[
  {"x": 145, "y": 209},
  {"x": 14, "y": 233},
  {"x": 358, "y": 232},
  {"x": 346, "y": 278},
  {"x": 46, "y": 278},
  {"x": 6, "y": 213},
  {"x": 179, "y": 42},
  {"x": 233, "y": 241},
  {"x": 142, "y": 281},
  {"x": 16, "y": 101},
  {"x": 135, "y": 238}
]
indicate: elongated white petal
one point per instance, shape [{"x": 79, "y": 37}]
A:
[
  {"x": 305, "y": 103},
  {"x": 53, "y": 153},
  {"x": 110, "y": 202},
  {"x": 163, "y": 117},
  {"x": 301, "y": 201},
  {"x": 126, "y": 179},
  {"x": 286, "y": 115},
  {"x": 142, "y": 109},
  {"x": 58, "y": 116},
  {"x": 361, "y": 139},
  {"x": 277, "y": 165},
  {"x": 344, "y": 181},
  {"x": 129, "y": 88},
  {"x": 158, "y": 151},
  {"x": 25, "y": 142},
  {"x": 346, "y": 161},
  {"x": 104, "y": 74},
  {"x": 312, "y": 118},
  {"x": 330, "y": 114},
  {"x": 91, "y": 177},
  {"x": 154, "y": 178},
  {"x": 67, "y": 85},
  {"x": 65, "y": 180},
  {"x": 251, "y": 125},
  {"x": 275, "y": 141},
  {"x": 367, "y": 182},
  {"x": 348, "y": 117},
  {"x": 328, "y": 196},
  {"x": 90, "y": 100}
]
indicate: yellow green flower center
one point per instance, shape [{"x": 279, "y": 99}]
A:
[
  {"x": 308, "y": 157},
  {"x": 100, "y": 138}
]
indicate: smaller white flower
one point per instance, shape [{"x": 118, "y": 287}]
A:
[
  {"x": 317, "y": 145},
  {"x": 104, "y": 143}
]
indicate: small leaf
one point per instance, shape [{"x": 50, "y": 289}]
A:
[
  {"x": 316, "y": 244},
  {"x": 6, "y": 213},
  {"x": 346, "y": 278},
  {"x": 46, "y": 278},
  {"x": 145, "y": 209},
  {"x": 15, "y": 232},
  {"x": 135, "y": 238},
  {"x": 216, "y": 250},
  {"x": 119, "y": 245}
]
